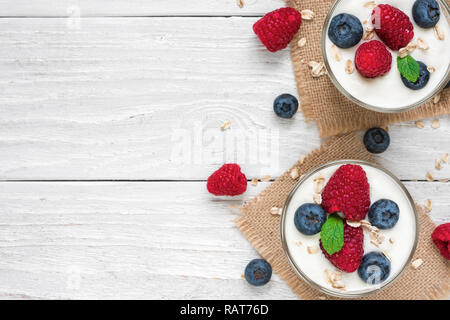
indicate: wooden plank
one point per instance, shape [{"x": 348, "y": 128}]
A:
[
  {"x": 144, "y": 98},
  {"x": 135, "y": 240},
  {"x": 62, "y": 8}
]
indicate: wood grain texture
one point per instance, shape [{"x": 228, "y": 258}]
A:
[
  {"x": 156, "y": 240},
  {"x": 61, "y": 8},
  {"x": 136, "y": 98}
]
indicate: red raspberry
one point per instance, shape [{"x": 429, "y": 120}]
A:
[
  {"x": 347, "y": 191},
  {"x": 441, "y": 238},
  {"x": 349, "y": 257},
  {"x": 277, "y": 28},
  {"x": 372, "y": 59},
  {"x": 392, "y": 26},
  {"x": 227, "y": 181}
]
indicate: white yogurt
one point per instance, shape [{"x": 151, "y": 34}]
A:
[
  {"x": 314, "y": 265},
  {"x": 388, "y": 92}
]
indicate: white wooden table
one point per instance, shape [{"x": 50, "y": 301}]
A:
[{"x": 103, "y": 168}]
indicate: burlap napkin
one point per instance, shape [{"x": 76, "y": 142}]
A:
[
  {"x": 262, "y": 229},
  {"x": 322, "y": 103}
]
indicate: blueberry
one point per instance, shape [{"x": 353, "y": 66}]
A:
[
  {"x": 384, "y": 214},
  {"x": 345, "y": 30},
  {"x": 285, "y": 106},
  {"x": 309, "y": 218},
  {"x": 374, "y": 268},
  {"x": 422, "y": 81},
  {"x": 258, "y": 272},
  {"x": 426, "y": 13},
  {"x": 376, "y": 140},
  {"x": 447, "y": 86}
]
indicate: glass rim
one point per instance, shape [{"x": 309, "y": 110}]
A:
[
  {"x": 366, "y": 105},
  {"x": 298, "y": 270}
]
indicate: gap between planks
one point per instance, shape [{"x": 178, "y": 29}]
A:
[{"x": 165, "y": 180}]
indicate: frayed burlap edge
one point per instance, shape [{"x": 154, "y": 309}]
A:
[{"x": 430, "y": 281}]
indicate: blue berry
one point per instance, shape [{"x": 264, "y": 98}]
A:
[
  {"x": 422, "y": 81},
  {"x": 345, "y": 30},
  {"x": 426, "y": 13},
  {"x": 309, "y": 218},
  {"x": 384, "y": 214},
  {"x": 285, "y": 106},
  {"x": 447, "y": 86},
  {"x": 376, "y": 140},
  {"x": 374, "y": 268},
  {"x": 258, "y": 272}
]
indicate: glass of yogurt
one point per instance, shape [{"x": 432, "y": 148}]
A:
[
  {"x": 398, "y": 243},
  {"x": 387, "y": 93}
]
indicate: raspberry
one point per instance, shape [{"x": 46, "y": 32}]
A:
[
  {"x": 392, "y": 26},
  {"x": 349, "y": 257},
  {"x": 372, "y": 59},
  {"x": 228, "y": 180},
  {"x": 347, "y": 191},
  {"x": 277, "y": 28},
  {"x": 441, "y": 238}
]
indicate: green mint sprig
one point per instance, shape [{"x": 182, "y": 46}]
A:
[{"x": 408, "y": 68}]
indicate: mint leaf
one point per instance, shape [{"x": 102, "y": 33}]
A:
[
  {"x": 409, "y": 68},
  {"x": 332, "y": 234}
]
